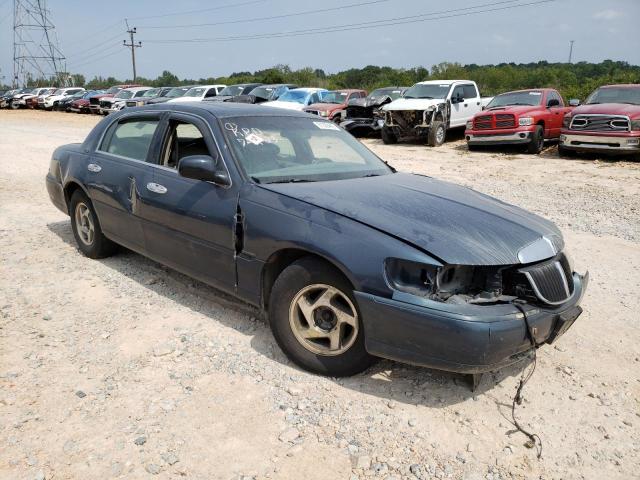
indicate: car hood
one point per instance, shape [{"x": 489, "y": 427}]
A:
[
  {"x": 412, "y": 104},
  {"x": 324, "y": 107},
  {"x": 368, "y": 101},
  {"x": 100, "y": 96},
  {"x": 287, "y": 105},
  {"x": 609, "y": 109},
  {"x": 515, "y": 109},
  {"x": 455, "y": 224},
  {"x": 153, "y": 101}
]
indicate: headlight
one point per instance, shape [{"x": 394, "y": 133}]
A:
[
  {"x": 411, "y": 277},
  {"x": 635, "y": 124},
  {"x": 525, "y": 121},
  {"x": 470, "y": 125},
  {"x": 324, "y": 114},
  {"x": 140, "y": 103},
  {"x": 566, "y": 121}
]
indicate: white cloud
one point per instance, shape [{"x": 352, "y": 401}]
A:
[{"x": 607, "y": 14}]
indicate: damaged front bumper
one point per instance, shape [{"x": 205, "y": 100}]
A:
[
  {"x": 367, "y": 125},
  {"x": 461, "y": 338}
]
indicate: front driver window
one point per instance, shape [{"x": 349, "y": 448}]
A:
[{"x": 183, "y": 140}]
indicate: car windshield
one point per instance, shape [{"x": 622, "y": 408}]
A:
[
  {"x": 114, "y": 90},
  {"x": 429, "y": 90},
  {"x": 154, "y": 92},
  {"x": 630, "y": 95},
  {"x": 124, "y": 94},
  {"x": 295, "y": 96},
  {"x": 335, "y": 97},
  {"x": 293, "y": 149},
  {"x": 533, "y": 97},
  {"x": 59, "y": 91},
  {"x": 177, "y": 92},
  {"x": 232, "y": 90},
  {"x": 263, "y": 92},
  {"x": 78, "y": 95},
  {"x": 195, "y": 92}
]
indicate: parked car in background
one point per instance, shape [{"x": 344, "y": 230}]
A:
[
  {"x": 349, "y": 259},
  {"x": 363, "y": 116},
  {"x": 334, "y": 102},
  {"x": 118, "y": 101},
  {"x": 264, "y": 93},
  {"x": 607, "y": 122},
  {"x": 147, "y": 96},
  {"x": 81, "y": 105},
  {"x": 298, "y": 98},
  {"x": 64, "y": 104},
  {"x": 174, "y": 92},
  {"x": 34, "y": 101},
  {"x": 20, "y": 100},
  {"x": 199, "y": 93},
  {"x": 523, "y": 117},
  {"x": 231, "y": 91},
  {"x": 51, "y": 101},
  {"x": 94, "y": 102},
  {"x": 12, "y": 94},
  {"x": 6, "y": 98},
  {"x": 428, "y": 109}
]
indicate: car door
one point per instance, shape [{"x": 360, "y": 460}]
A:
[
  {"x": 116, "y": 174},
  {"x": 189, "y": 225},
  {"x": 464, "y": 110},
  {"x": 458, "y": 114},
  {"x": 555, "y": 107}
]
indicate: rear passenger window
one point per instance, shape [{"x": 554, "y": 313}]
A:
[{"x": 130, "y": 139}]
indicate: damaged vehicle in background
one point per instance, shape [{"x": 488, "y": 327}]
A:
[
  {"x": 25, "y": 99},
  {"x": 174, "y": 92},
  {"x": 147, "y": 96},
  {"x": 349, "y": 259},
  {"x": 231, "y": 91},
  {"x": 264, "y": 93},
  {"x": 333, "y": 103},
  {"x": 608, "y": 122},
  {"x": 51, "y": 101},
  {"x": 428, "y": 109},
  {"x": 118, "y": 101},
  {"x": 363, "y": 116},
  {"x": 298, "y": 98},
  {"x": 94, "y": 102}
]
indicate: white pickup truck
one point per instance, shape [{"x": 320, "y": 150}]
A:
[{"x": 429, "y": 109}]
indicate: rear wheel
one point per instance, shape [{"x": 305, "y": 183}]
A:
[
  {"x": 537, "y": 141},
  {"x": 86, "y": 228},
  {"x": 315, "y": 319},
  {"x": 388, "y": 137},
  {"x": 437, "y": 134}
]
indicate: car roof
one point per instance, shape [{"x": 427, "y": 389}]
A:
[
  {"x": 136, "y": 89},
  {"x": 622, "y": 85},
  {"x": 225, "y": 109},
  {"x": 443, "y": 82},
  {"x": 208, "y": 86},
  {"x": 309, "y": 89}
]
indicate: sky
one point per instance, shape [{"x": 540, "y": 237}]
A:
[{"x": 397, "y": 33}]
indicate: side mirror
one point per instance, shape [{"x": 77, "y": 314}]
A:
[
  {"x": 484, "y": 107},
  {"x": 574, "y": 102},
  {"x": 203, "y": 167},
  {"x": 554, "y": 102}
]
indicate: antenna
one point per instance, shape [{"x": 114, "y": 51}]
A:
[
  {"x": 571, "y": 49},
  {"x": 35, "y": 46}
]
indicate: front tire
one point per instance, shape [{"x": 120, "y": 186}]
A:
[
  {"x": 537, "y": 141},
  {"x": 315, "y": 319},
  {"x": 86, "y": 228},
  {"x": 388, "y": 137},
  {"x": 437, "y": 134}
]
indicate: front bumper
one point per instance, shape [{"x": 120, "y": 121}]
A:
[
  {"x": 460, "y": 338},
  {"x": 362, "y": 124},
  {"x": 610, "y": 143},
  {"x": 515, "y": 137}
]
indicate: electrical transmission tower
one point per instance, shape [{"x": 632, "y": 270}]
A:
[{"x": 36, "y": 53}]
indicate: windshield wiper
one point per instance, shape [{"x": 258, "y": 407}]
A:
[
  {"x": 292, "y": 180},
  {"x": 255, "y": 179}
]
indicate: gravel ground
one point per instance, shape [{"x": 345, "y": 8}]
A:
[{"x": 122, "y": 368}]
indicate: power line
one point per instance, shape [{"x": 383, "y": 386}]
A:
[
  {"x": 188, "y": 12},
  {"x": 273, "y": 17},
  {"x": 445, "y": 14}
]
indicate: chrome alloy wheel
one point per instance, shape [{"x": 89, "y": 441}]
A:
[
  {"x": 84, "y": 224},
  {"x": 323, "y": 320},
  {"x": 440, "y": 134}
]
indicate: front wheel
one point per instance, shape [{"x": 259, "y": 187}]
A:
[
  {"x": 437, "y": 134},
  {"x": 388, "y": 137},
  {"x": 315, "y": 319},
  {"x": 86, "y": 228},
  {"x": 537, "y": 141}
]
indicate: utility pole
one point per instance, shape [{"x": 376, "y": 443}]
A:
[
  {"x": 133, "y": 45},
  {"x": 570, "y": 49}
]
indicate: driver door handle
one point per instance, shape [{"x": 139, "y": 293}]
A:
[{"x": 156, "y": 188}]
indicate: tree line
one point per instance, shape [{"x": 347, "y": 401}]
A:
[{"x": 575, "y": 80}]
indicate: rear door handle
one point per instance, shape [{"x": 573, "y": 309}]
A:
[
  {"x": 92, "y": 167},
  {"x": 156, "y": 188}
]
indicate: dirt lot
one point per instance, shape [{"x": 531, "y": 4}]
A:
[{"x": 122, "y": 368}]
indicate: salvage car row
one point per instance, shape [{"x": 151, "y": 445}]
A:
[{"x": 608, "y": 121}]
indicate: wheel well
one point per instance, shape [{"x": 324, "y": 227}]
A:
[
  {"x": 69, "y": 190},
  {"x": 541, "y": 123},
  {"x": 280, "y": 260}
]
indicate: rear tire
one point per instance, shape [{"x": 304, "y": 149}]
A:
[
  {"x": 315, "y": 319},
  {"x": 537, "y": 141},
  {"x": 437, "y": 134},
  {"x": 388, "y": 137},
  {"x": 86, "y": 228}
]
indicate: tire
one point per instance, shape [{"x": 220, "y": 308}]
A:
[
  {"x": 536, "y": 144},
  {"x": 437, "y": 134},
  {"x": 473, "y": 148},
  {"x": 388, "y": 137},
  {"x": 566, "y": 152},
  {"x": 14, "y": 106},
  {"x": 88, "y": 234},
  {"x": 311, "y": 282}
]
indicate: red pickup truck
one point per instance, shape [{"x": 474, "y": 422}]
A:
[
  {"x": 609, "y": 121},
  {"x": 523, "y": 117}
]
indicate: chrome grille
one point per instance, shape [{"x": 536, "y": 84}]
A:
[
  {"x": 504, "y": 120},
  {"x": 600, "y": 123},
  {"x": 552, "y": 281},
  {"x": 483, "y": 122}
]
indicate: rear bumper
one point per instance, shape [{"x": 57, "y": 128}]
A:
[
  {"x": 460, "y": 338},
  {"x": 511, "y": 137},
  {"x": 610, "y": 143},
  {"x": 56, "y": 193}
]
